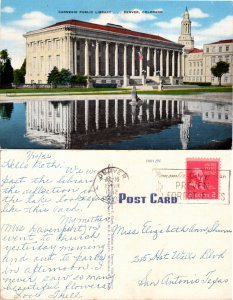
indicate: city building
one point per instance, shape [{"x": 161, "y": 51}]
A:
[
  {"x": 107, "y": 54},
  {"x": 197, "y": 63},
  {"x": 218, "y": 51}
]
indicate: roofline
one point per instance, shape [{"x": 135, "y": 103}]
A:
[
  {"x": 102, "y": 28},
  {"x": 226, "y": 41}
]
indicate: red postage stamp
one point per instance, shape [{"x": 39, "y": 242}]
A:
[{"x": 202, "y": 178}]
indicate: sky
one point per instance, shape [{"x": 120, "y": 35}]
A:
[{"x": 211, "y": 20}]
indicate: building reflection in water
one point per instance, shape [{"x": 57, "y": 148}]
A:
[{"x": 80, "y": 123}]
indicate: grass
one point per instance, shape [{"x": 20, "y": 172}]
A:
[
  {"x": 118, "y": 91},
  {"x": 57, "y": 90},
  {"x": 189, "y": 91}
]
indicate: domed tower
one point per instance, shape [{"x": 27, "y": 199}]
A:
[{"x": 185, "y": 38}]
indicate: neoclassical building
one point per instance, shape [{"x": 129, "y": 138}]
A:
[
  {"x": 107, "y": 53},
  {"x": 197, "y": 63}
]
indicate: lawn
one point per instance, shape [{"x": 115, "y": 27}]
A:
[{"x": 96, "y": 91}]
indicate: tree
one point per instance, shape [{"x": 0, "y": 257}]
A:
[
  {"x": 79, "y": 79},
  {"x": 219, "y": 69},
  {"x": 6, "y": 70},
  {"x": 18, "y": 76},
  {"x": 65, "y": 76},
  {"x": 54, "y": 76}
]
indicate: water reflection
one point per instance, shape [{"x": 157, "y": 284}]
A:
[{"x": 110, "y": 120}]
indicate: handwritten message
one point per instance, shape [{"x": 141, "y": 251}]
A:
[
  {"x": 53, "y": 234},
  {"x": 60, "y": 240}
]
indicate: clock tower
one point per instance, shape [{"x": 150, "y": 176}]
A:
[{"x": 185, "y": 38}]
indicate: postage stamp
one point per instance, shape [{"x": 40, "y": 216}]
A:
[
  {"x": 107, "y": 183},
  {"x": 202, "y": 178}
]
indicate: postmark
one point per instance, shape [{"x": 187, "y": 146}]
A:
[
  {"x": 202, "y": 178},
  {"x": 108, "y": 183}
]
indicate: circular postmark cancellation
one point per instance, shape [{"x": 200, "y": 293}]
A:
[{"x": 109, "y": 182}]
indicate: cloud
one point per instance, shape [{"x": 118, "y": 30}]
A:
[
  {"x": 174, "y": 23},
  {"x": 217, "y": 31},
  {"x": 125, "y": 19},
  {"x": 12, "y": 34},
  {"x": 197, "y": 13},
  {"x": 7, "y": 9},
  {"x": 34, "y": 19}
]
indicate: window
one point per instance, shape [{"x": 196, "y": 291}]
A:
[
  {"x": 219, "y": 116},
  {"x": 225, "y": 79},
  {"x": 227, "y": 58},
  {"x": 58, "y": 61},
  {"x": 201, "y": 71},
  {"x": 49, "y": 63},
  {"x": 190, "y": 72},
  {"x": 213, "y": 49},
  {"x": 34, "y": 65},
  {"x": 206, "y": 114},
  {"x": 227, "y": 48},
  {"x": 226, "y": 116},
  {"x": 212, "y": 115},
  {"x": 207, "y": 50},
  {"x": 190, "y": 64},
  {"x": 49, "y": 45},
  {"x": 194, "y": 64},
  {"x": 34, "y": 46},
  {"x": 198, "y": 64},
  {"x": 197, "y": 71},
  {"x": 219, "y": 58},
  {"x": 58, "y": 44},
  {"x": 194, "y": 72},
  {"x": 41, "y": 64},
  {"x": 220, "y": 49}
]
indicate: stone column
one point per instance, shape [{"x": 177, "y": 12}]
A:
[
  {"x": 71, "y": 55},
  {"x": 147, "y": 111},
  {"x": 172, "y": 112},
  {"x": 86, "y": 113},
  {"x": 140, "y": 63},
  {"x": 148, "y": 62},
  {"x": 97, "y": 114},
  {"x": 154, "y": 109},
  {"x": 155, "y": 62},
  {"x": 97, "y": 71},
  {"x": 161, "y": 62},
  {"x": 68, "y": 51},
  {"x": 116, "y": 59},
  {"x": 116, "y": 112},
  {"x": 86, "y": 58},
  {"x": 178, "y": 65},
  {"x": 161, "y": 108},
  {"x": 167, "y": 107},
  {"x": 182, "y": 64},
  {"x": 106, "y": 59},
  {"x": 75, "y": 57},
  {"x": 124, "y": 111},
  {"x": 125, "y": 60},
  {"x": 106, "y": 112},
  {"x": 133, "y": 60},
  {"x": 167, "y": 64},
  {"x": 173, "y": 63}
]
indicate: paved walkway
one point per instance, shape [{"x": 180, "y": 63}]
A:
[{"x": 215, "y": 97}]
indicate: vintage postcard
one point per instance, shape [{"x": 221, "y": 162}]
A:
[
  {"x": 117, "y": 225},
  {"x": 96, "y": 75},
  {"x": 115, "y": 150}
]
